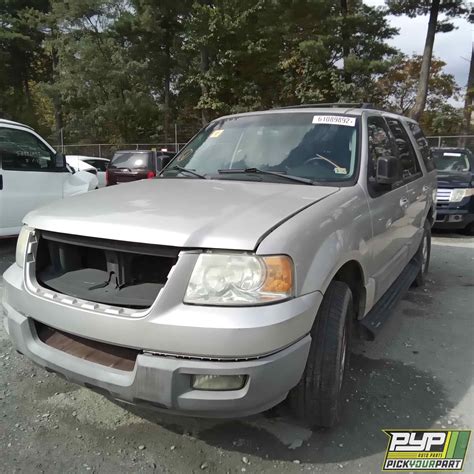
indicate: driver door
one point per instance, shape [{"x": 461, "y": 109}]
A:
[{"x": 30, "y": 176}]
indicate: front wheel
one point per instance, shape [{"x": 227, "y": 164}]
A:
[
  {"x": 316, "y": 398},
  {"x": 469, "y": 230}
]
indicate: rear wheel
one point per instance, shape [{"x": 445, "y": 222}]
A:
[
  {"x": 424, "y": 254},
  {"x": 316, "y": 398}
]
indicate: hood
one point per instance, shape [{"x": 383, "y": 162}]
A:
[
  {"x": 454, "y": 179},
  {"x": 180, "y": 212}
]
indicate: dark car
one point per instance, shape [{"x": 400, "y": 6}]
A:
[
  {"x": 455, "y": 196},
  {"x": 132, "y": 165}
]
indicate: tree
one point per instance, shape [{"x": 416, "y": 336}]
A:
[
  {"x": 442, "y": 120},
  {"x": 433, "y": 8},
  {"x": 398, "y": 88},
  {"x": 469, "y": 97},
  {"x": 22, "y": 59}
]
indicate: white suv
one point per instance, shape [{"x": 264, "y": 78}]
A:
[{"x": 32, "y": 174}]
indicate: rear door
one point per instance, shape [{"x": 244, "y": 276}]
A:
[
  {"x": 419, "y": 187},
  {"x": 388, "y": 209},
  {"x": 30, "y": 176}
]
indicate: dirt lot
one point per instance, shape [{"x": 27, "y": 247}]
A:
[{"x": 418, "y": 374}]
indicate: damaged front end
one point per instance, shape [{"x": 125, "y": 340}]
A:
[{"x": 108, "y": 272}]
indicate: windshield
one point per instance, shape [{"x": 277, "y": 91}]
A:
[
  {"x": 451, "y": 161},
  {"x": 130, "y": 160},
  {"x": 316, "y": 147}
]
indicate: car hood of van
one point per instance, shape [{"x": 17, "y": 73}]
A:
[
  {"x": 455, "y": 179},
  {"x": 181, "y": 212}
]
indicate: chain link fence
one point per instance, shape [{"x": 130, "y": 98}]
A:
[
  {"x": 456, "y": 141},
  {"x": 106, "y": 150}
]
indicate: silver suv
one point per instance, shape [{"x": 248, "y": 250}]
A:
[{"x": 237, "y": 278}]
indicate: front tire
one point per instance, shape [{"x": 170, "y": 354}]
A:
[
  {"x": 469, "y": 230},
  {"x": 316, "y": 398}
]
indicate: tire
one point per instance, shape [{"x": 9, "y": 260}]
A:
[
  {"x": 316, "y": 398},
  {"x": 469, "y": 230},
  {"x": 424, "y": 254}
]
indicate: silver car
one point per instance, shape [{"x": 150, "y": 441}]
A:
[{"x": 237, "y": 278}]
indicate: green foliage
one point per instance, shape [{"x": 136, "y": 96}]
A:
[
  {"x": 127, "y": 70},
  {"x": 444, "y": 120},
  {"x": 397, "y": 89}
]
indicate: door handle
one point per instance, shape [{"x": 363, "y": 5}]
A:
[{"x": 404, "y": 202}]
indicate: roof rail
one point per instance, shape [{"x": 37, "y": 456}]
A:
[
  {"x": 351, "y": 105},
  {"x": 11, "y": 122}
]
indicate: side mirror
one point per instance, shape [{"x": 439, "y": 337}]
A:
[
  {"x": 60, "y": 161},
  {"x": 387, "y": 170},
  {"x": 70, "y": 169}
]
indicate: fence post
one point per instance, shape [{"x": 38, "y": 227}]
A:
[
  {"x": 100, "y": 151},
  {"x": 439, "y": 142},
  {"x": 176, "y": 138}
]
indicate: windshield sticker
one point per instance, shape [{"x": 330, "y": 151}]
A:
[
  {"x": 338, "y": 170},
  {"x": 334, "y": 120},
  {"x": 451, "y": 154},
  {"x": 216, "y": 133}
]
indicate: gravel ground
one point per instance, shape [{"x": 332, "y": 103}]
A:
[{"x": 417, "y": 374}]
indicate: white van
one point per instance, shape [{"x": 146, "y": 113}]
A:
[{"x": 32, "y": 174}]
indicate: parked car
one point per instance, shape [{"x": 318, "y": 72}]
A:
[
  {"x": 31, "y": 175},
  {"x": 92, "y": 164},
  {"x": 239, "y": 276},
  {"x": 455, "y": 197},
  {"x": 133, "y": 165}
]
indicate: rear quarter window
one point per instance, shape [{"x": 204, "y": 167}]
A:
[
  {"x": 101, "y": 165},
  {"x": 422, "y": 144}
]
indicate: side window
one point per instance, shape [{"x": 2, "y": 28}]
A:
[
  {"x": 22, "y": 151},
  {"x": 409, "y": 164},
  {"x": 422, "y": 145},
  {"x": 380, "y": 144}
]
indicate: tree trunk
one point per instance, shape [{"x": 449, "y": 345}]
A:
[
  {"x": 468, "y": 103},
  {"x": 204, "y": 89},
  {"x": 345, "y": 42},
  {"x": 426, "y": 63},
  {"x": 166, "y": 95}
]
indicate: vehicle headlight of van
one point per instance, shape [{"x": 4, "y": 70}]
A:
[
  {"x": 225, "y": 279},
  {"x": 21, "y": 245},
  {"x": 457, "y": 195}
]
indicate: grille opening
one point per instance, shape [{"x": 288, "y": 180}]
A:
[
  {"x": 108, "y": 272},
  {"x": 108, "y": 355}
]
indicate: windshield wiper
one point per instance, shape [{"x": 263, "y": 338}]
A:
[
  {"x": 289, "y": 177},
  {"x": 186, "y": 170}
]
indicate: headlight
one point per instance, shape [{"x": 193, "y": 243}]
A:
[
  {"x": 21, "y": 244},
  {"x": 457, "y": 195},
  {"x": 232, "y": 279}
]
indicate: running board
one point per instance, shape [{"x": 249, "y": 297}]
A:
[{"x": 382, "y": 310}]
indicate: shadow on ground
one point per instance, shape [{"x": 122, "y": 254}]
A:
[{"x": 378, "y": 394}]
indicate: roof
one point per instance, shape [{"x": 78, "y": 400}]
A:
[
  {"x": 17, "y": 124},
  {"x": 330, "y": 109}
]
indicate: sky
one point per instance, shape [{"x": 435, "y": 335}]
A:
[{"x": 453, "y": 48}]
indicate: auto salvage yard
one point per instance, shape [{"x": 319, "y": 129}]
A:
[{"x": 417, "y": 374}]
